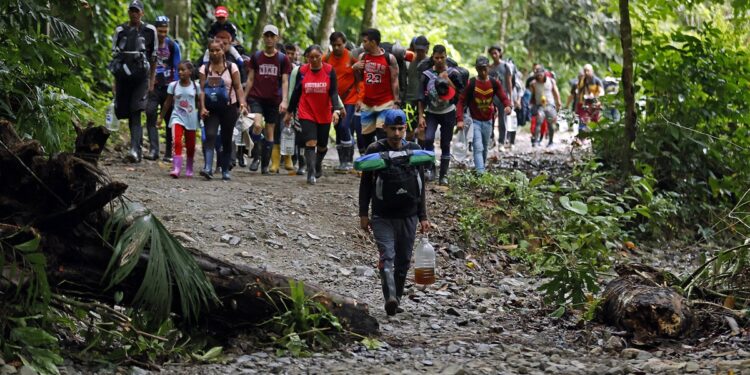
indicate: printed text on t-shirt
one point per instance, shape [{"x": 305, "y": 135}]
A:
[{"x": 268, "y": 70}]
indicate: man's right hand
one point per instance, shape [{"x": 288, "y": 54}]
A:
[
  {"x": 422, "y": 123},
  {"x": 364, "y": 223},
  {"x": 460, "y": 125},
  {"x": 359, "y": 65}
]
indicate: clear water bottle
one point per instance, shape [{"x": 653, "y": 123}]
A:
[
  {"x": 111, "y": 122},
  {"x": 287, "y": 141},
  {"x": 424, "y": 263}
]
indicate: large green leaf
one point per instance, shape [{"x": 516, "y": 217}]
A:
[{"x": 574, "y": 206}]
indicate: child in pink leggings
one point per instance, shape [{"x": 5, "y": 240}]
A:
[{"x": 183, "y": 95}]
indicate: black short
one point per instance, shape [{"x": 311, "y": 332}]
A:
[
  {"x": 312, "y": 131},
  {"x": 130, "y": 97},
  {"x": 269, "y": 110}
]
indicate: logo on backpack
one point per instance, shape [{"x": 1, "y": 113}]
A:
[{"x": 398, "y": 185}]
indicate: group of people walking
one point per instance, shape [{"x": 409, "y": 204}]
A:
[{"x": 364, "y": 92}]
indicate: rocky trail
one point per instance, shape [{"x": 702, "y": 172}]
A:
[{"x": 483, "y": 315}]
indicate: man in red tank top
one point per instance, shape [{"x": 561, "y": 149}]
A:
[{"x": 379, "y": 72}]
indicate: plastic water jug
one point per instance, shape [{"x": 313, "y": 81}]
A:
[
  {"x": 287, "y": 141},
  {"x": 111, "y": 122},
  {"x": 424, "y": 263}
]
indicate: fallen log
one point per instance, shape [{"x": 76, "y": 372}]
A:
[{"x": 650, "y": 311}]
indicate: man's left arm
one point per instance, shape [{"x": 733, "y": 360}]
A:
[{"x": 394, "y": 79}]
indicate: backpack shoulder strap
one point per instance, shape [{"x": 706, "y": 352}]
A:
[
  {"x": 470, "y": 91},
  {"x": 495, "y": 86},
  {"x": 281, "y": 57}
]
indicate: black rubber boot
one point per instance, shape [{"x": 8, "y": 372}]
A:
[
  {"x": 168, "y": 146},
  {"x": 389, "y": 291},
  {"x": 444, "y": 165},
  {"x": 310, "y": 159},
  {"x": 255, "y": 155},
  {"x": 136, "y": 137},
  {"x": 551, "y": 131},
  {"x": 400, "y": 277},
  {"x": 265, "y": 157},
  {"x": 341, "y": 168},
  {"x": 241, "y": 156},
  {"x": 301, "y": 164},
  {"x": 153, "y": 143},
  {"x": 319, "y": 163}
]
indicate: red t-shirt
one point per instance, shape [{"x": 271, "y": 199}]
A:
[
  {"x": 267, "y": 78},
  {"x": 481, "y": 107},
  {"x": 315, "y": 100},
  {"x": 377, "y": 78}
]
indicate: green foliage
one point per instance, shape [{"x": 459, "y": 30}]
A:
[
  {"x": 569, "y": 229},
  {"x": 169, "y": 265},
  {"x": 302, "y": 323}
]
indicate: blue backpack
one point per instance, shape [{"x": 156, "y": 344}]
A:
[{"x": 217, "y": 95}]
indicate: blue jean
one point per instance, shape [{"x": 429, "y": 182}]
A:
[
  {"x": 482, "y": 131},
  {"x": 345, "y": 126}
]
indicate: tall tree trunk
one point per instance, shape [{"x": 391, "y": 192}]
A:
[
  {"x": 178, "y": 12},
  {"x": 631, "y": 126},
  {"x": 369, "y": 14},
  {"x": 325, "y": 27},
  {"x": 504, "y": 14},
  {"x": 266, "y": 7}
]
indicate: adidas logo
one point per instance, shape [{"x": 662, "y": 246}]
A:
[{"x": 401, "y": 191}]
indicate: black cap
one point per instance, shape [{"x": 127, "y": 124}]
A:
[
  {"x": 136, "y": 4},
  {"x": 482, "y": 61},
  {"x": 496, "y": 47},
  {"x": 421, "y": 42}
]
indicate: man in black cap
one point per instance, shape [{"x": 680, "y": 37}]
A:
[
  {"x": 134, "y": 44},
  {"x": 419, "y": 45},
  {"x": 398, "y": 205}
]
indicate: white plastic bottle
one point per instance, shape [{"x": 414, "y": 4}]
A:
[
  {"x": 424, "y": 263},
  {"x": 287, "y": 141},
  {"x": 111, "y": 122}
]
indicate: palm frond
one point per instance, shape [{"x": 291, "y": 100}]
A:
[{"x": 169, "y": 265}]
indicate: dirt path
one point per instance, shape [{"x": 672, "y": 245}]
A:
[{"x": 485, "y": 319}]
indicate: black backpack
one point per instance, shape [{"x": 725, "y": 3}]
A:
[{"x": 399, "y": 184}]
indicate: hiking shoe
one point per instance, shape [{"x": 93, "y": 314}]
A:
[{"x": 206, "y": 174}]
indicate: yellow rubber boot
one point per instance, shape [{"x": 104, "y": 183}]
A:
[
  {"x": 288, "y": 163},
  {"x": 275, "y": 159}
]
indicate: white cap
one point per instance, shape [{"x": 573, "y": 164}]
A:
[{"x": 271, "y": 29}]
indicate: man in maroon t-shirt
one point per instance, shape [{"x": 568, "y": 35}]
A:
[
  {"x": 478, "y": 96},
  {"x": 267, "y": 87}
]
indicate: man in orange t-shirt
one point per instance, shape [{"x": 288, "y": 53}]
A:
[{"x": 349, "y": 88}]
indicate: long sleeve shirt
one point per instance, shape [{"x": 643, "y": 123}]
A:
[{"x": 478, "y": 97}]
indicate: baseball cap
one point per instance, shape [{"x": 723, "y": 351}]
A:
[
  {"x": 482, "y": 61},
  {"x": 444, "y": 89},
  {"x": 421, "y": 42},
  {"x": 136, "y": 4},
  {"x": 271, "y": 29},
  {"x": 161, "y": 21},
  {"x": 221, "y": 11},
  {"x": 394, "y": 117}
]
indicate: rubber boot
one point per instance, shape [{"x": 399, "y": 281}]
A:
[
  {"x": 168, "y": 146},
  {"x": 255, "y": 154},
  {"x": 265, "y": 157},
  {"x": 153, "y": 143},
  {"x": 189, "y": 168},
  {"x": 301, "y": 164},
  {"x": 176, "y": 167},
  {"x": 136, "y": 135},
  {"x": 288, "y": 164},
  {"x": 241, "y": 156},
  {"x": 341, "y": 168},
  {"x": 207, "y": 171},
  {"x": 444, "y": 165},
  {"x": 319, "y": 163},
  {"x": 429, "y": 173},
  {"x": 389, "y": 291},
  {"x": 551, "y": 131},
  {"x": 310, "y": 159},
  {"x": 349, "y": 155},
  {"x": 400, "y": 277},
  {"x": 275, "y": 159}
]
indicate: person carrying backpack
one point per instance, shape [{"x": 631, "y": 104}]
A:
[
  {"x": 167, "y": 59},
  {"x": 437, "y": 107},
  {"x": 397, "y": 195},
  {"x": 478, "y": 97},
  {"x": 221, "y": 94},
  {"x": 349, "y": 86},
  {"x": 134, "y": 45},
  {"x": 501, "y": 71}
]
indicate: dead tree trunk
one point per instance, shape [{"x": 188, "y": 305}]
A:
[
  {"x": 631, "y": 126},
  {"x": 325, "y": 27}
]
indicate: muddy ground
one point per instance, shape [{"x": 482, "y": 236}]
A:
[{"x": 485, "y": 319}]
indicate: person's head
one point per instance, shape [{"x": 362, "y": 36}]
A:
[
  {"x": 496, "y": 53},
  {"x": 162, "y": 27},
  {"x": 314, "y": 55},
  {"x": 216, "y": 50},
  {"x": 225, "y": 38},
  {"x": 270, "y": 36},
  {"x": 439, "y": 55},
  {"x": 395, "y": 127},
  {"x": 420, "y": 45},
  {"x": 371, "y": 40},
  {"x": 588, "y": 70},
  {"x": 482, "y": 65},
  {"x": 540, "y": 74},
  {"x": 535, "y": 67},
  {"x": 338, "y": 42},
  {"x": 291, "y": 51},
  {"x": 222, "y": 14},
  {"x": 135, "y": 11},
  {"x": 185, "y": 70}
]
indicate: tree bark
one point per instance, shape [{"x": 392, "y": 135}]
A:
[
  {"x": 631, "y": 126},
  {"x": 325, "y": 27},
  {"x": 369, "y": 15},
  {"x": 180, "y": 21},
  {"x": 266, "y": 7},
  {"x": 504, "y": 10}
]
